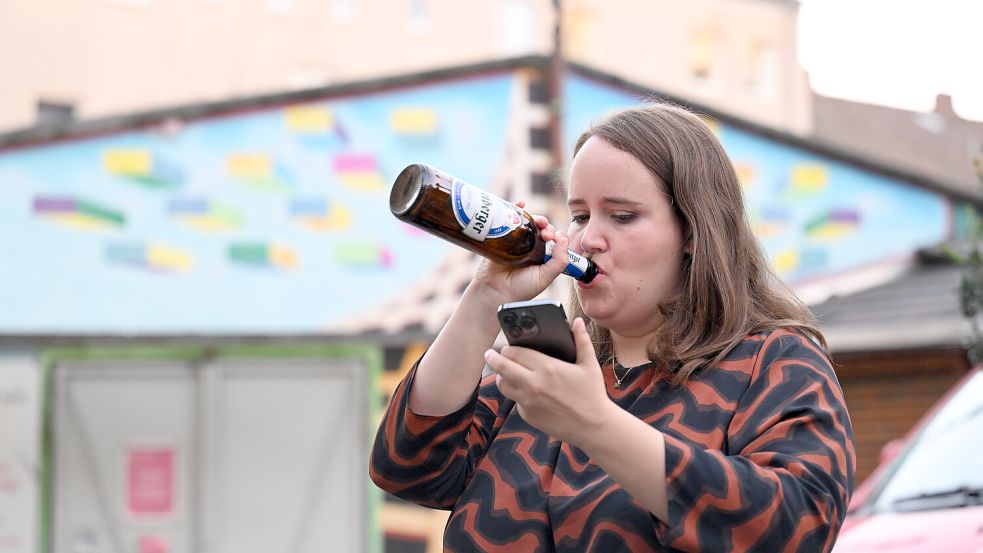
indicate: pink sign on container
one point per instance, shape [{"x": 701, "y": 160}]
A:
[{"x": 150, "y": 482}]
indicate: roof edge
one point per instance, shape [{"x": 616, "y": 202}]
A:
[
  {"x": 818, "y": 146},
  {"x": 77, "y": 340},
  {"x": 119, "y": 123}
]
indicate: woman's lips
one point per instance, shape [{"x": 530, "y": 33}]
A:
[{"x": 597, "y": 278}]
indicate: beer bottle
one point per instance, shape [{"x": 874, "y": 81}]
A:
[{"x": 463, "y": 214}]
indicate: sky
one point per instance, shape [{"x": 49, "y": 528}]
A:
[{"x": 898, "y": 53}]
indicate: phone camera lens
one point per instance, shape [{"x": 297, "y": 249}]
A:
[
  {"x": 527, "y": 322},
  {"x": 515, "y": 331},
  {"x": 509, "y": 318}
]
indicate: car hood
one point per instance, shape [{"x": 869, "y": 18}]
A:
[{"x": 950, "y": 530}]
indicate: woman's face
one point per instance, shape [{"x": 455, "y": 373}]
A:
[{"x": 622, "y": 217}]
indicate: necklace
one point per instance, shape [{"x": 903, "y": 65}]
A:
[{"x": 619, "y": 379}]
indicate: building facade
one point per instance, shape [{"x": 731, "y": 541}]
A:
[{"x": 95, "y": 58}]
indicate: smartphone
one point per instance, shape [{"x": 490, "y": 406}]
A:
[{"x": 540, "y": 325}]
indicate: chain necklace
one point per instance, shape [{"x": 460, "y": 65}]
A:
[{"x": 619, "y": 380}]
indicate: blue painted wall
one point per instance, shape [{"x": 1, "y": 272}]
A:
[
  {"x": 277, "y": 220},
  {"x": 272, "y": 221}
]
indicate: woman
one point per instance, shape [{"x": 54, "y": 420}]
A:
[{"x": 702, "y": 413}]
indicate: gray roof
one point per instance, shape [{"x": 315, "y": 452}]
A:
[
  {"x": 919, "y": 308},
  {"x": 939, "y": 146}
]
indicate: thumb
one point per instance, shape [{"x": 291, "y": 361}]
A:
[{"x": 585, "y": 349}]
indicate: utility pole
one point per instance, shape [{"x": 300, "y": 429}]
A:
[{"x": 555, "y": 87}]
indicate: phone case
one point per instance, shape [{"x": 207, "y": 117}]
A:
[{"x": 540, "y": 325}]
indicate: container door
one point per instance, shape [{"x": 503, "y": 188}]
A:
[
  {"x": 288, "y": 470},
  {"x": 124, "y": 458}
]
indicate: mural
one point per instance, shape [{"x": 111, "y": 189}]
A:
[
  {"x": 814, "y": 216},
  {"x": 277, "y": 221}
]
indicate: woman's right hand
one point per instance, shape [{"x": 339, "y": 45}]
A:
[{"x": 501, "y": 284}]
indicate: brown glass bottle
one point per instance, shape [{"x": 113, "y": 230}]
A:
[{"x": 483, "y": 223}]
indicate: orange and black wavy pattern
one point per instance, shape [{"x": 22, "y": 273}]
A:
[{"x": 759, "y": 457}]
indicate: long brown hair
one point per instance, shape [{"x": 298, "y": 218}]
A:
[{"x": 729, "y": 289}]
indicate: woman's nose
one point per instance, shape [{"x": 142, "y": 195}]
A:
[{"x": 591, "y": 239}]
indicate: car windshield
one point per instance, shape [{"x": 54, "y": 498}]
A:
[{"x": 943, "y": 466}]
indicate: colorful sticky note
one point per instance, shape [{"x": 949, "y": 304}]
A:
[
  {"x": 770, "y": 222},
  {"x": 263, "y": 255},
  {"x": 358, "y": 172},
  {"x": 77, "y": 213},
  {"x": 152, "y": 256},
  {"x": 786, "y": 261},
  {"x": 809, "y": 178},
  {"x": 142, "y": 166},
  {"x": 259, "y": 170},
  {"x": 309, "y": 119},
  {"x": 205, "y": 215},
  {"x": 320, "y": 214},
  {"x": 833, "y": 225},
  {"x": 746, "y": 174},
  {"x": 363, "y": 255},
  {"x": 813, "y": 259},
  {"x": 415, "y": 121},
  {"x": 250, "y": 165},
  {"x": 127, "y": 162}
]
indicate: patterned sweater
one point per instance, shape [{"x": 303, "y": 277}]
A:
[{"x": 759, "y": 457}]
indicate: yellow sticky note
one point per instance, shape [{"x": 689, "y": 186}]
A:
[
  {"x": 168, "y": 258},
  {"x": 283, "y": 257},
  {"x": 127, "y": 162},
  {"x": 250, "y": 165},
  {"x": 810, "y": 177},
  {"x": 786, "y": 261},
  {"x": 309, "y": 119},
  {"x": 363, "y": 181},
  {"x": 413, "y": 120},
  {"x": 745, "y": 173}
]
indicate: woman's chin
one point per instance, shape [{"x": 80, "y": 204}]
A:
[{"x": 595, "y": 312}]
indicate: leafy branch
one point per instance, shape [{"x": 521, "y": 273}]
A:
[{"x": 971, "y": 283}]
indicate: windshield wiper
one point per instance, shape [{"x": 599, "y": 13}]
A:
[{"x": 968, "y": 494}]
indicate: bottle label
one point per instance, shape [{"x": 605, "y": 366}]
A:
[
  {"x": 482, "y": 215},
  {"x": 576, "y": 264}
]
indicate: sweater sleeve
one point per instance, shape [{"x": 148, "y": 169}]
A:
[
  {"x": 785, "y": 479},
  {"x": 429, "y": 460}
]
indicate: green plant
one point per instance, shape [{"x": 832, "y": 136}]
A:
[{"x": 971, "y": 282}]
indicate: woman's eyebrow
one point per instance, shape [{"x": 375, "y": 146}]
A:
[{"x": 606, "y": 200}]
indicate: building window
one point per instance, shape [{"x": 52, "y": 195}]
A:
[
  {"x": 54, "y": 115},
  {"x": 280, "y": 6},
  {"x": 579, "y": 22},
  {"x": 517, "y": 27},
  {"x": 418, "y": 17},
  {"x": 344, "y": 10},
  {"x": 134, "y": 3},
  {"x": 763, "y": 80},
  {"x": 703, "y": 52}
]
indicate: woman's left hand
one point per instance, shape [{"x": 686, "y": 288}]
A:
[{"x": 564, "y": 400}]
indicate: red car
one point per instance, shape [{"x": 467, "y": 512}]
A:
[{"x": 927, "y": 494}]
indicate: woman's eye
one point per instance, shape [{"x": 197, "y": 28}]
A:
[
  {"x": 579, "y": 219},
  {"x": 623, "y": 217}
]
